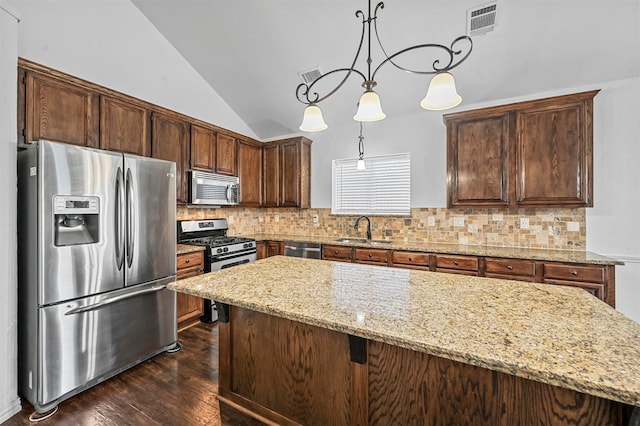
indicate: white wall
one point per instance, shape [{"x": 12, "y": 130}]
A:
[
  {"x": 111, "y": 43},
  {"x": 9, "y": 402}
]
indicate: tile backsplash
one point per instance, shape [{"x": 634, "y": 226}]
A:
[{"x": 535, "y": 228}]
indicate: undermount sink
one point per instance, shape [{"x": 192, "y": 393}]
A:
[
  {"x": 362, "y": 241},
  {"x": 351, "y": 240}
]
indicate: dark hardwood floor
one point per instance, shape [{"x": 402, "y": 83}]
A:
[{"x": 169, "y": 389}]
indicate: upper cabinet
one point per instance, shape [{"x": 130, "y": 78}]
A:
[
  {"x": 535, "y": 153},
  {"x": 124, "y": 126},
  {"x": 56, "y": 110},
  {"x": 212, "y": 151},
  {"x": 287, "y": 173},
  {"x": 170, "y": 141},
  {"x": 250, "y": 173}
]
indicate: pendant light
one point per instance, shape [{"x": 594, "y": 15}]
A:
[
  {"x": 442, "y": 93},
  {"x": 312, "y": 121},
  {"x": 369, "y": 108}
]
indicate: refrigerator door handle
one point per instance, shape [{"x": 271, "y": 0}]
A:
[
  {"x": 131, "y": 232},
  {"x": 114, "y": 299},
  {"x": 119, "y": 219}
]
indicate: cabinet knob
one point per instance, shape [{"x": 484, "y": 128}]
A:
[
  {"x": 455, "y": 262},
  {"x": 509, "y": 267},
  {"x": 370, "y": 255},
  {"x": 336, "y": 252},
  {"x": 574, "y": 273},
  {"x": 187, "y": 261},
  {"x": 410, "y": 259}
]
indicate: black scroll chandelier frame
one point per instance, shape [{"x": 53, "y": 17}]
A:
[{"x": 457, "y": 53}]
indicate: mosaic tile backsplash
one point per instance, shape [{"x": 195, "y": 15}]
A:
[{"x": 563, "y": 229}]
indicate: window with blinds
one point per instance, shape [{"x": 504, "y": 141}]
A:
[{"x": 383, "y": 188}]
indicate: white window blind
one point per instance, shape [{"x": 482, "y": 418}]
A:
[{"x": 382, "y": 189}]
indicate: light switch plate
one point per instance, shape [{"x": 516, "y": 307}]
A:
[
  {"x": 524, "y": 223},
  {"x": 573, "y": 227},
  {"x": 458, "y": 221},
  {"x": 431, "y": 221}
]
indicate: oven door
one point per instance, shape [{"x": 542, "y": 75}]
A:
[{"x": 227, "y": 262}]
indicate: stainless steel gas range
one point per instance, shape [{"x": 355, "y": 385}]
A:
[{"x": 222, "y": 251}]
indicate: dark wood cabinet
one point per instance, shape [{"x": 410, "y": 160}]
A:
[
  {"x": 595, "y": 279},
  {"x": 226, "y": 155},
  {"x": 339, "y": 253},
  {"x": 534, "y": 153},
  {"x": 261, "y": 249},
  {"x": 57, "y": 110},
  {"x": 170, "y": 141},
  {"x": 510, "y": 269},
  {"x": 271, "y": 175},
  {"x": 189, "y": 308},
  {"x": 410, "y": 260},
  {"x": 250, "y": 173},
  {"x": 372, "y": 256},
  {"x": 203, "y": 149},
  {"x": 124, "y": 126},
  {"x": 275, "y": 248},
  {"x": 456, "y": 264},
  {"x": 287, "y": 173}
]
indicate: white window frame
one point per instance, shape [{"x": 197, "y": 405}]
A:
[{"x": 382, "y": 189}]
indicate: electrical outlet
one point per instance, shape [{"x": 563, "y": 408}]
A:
[
  {"x": 260, "y": 219},
  {"x": 315, "y": 218},
  {"x": 458, "y": 221},
  {"x": 276, "y": 218},
  {"x": 524, "y": 223},
  {"x": 230, "y": 219},
  {"x": 431, "y": 221},
  {"x": 573, "y": 227}
]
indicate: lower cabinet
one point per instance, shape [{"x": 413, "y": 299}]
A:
[
  {"x": 190, "y": 308},
  {"x": 269, "y": 248},
  {"x": 410, "y": 260},
  {"x": 591, "y": 278},
  {"x": 337, "y": 253},
  {"x": 372, "y": 256},
  {"x": 510, "y": 269},
  {"x": 462, "y": 265}
]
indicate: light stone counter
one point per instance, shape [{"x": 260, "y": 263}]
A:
[
  {"x": 571, "y": 256},
  {"x": 553, "y": 334},
  {"x": 188, "y": 248}
]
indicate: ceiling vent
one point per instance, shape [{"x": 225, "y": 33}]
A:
[
  {"x": 310, "y": 76},
  {"x": 482, "y": 19}
]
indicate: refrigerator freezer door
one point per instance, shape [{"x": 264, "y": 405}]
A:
[
  {"x": 76, "y": 180},
  {"x": 150, "y": 218},
  {"x": 87, "y": 340}
]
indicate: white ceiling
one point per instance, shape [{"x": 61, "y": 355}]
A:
[{"x": 250, "y": 52}]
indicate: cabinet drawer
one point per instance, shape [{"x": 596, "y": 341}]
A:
[
  {"x": 410, "y": 258},
  {"x": 596, "y": 289},
  {"x": 457, "y": 262},
  {"x": 372, "y": 255},
  {"x": 191, "y": 260},
  {"x": 525, "y": 268},
  {"x": 336, "y": 252},
  {"x": 594, "y": 274}
]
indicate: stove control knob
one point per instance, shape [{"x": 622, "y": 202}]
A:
[
  {"x": 246, "y": 245},
  {"x": 219, "y": 250},
  {"x": 226, "y": 249}
]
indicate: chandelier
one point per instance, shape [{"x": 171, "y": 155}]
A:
[{"x": 441, "y": 93}]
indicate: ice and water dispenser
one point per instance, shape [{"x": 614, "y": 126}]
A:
[{"x": 76, "y": 220}]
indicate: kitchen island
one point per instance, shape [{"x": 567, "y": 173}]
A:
[{"x": 307, "y": 341}]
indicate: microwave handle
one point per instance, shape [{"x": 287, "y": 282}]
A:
[{"x": 228, "y": 195}]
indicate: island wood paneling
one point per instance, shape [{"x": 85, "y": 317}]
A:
[
  {"x": 283, "y": 371},
  {"x": 288, "y": 367}
]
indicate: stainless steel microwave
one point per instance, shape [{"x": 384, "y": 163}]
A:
[{"x": 213, "y": 189}]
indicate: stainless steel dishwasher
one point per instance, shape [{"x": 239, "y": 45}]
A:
[{"x": 302, "y": 249}]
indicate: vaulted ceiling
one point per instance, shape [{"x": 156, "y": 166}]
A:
[{"x": 251, "y": 52}]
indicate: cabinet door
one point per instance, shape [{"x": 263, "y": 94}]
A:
[
  {"x": 274, "y": 248},
  {"x": 478, "y": 165},
  {"x": 339, "y": 253},
  {"x": 124, "y": 127},
  {"x": 226, "y": 155},
  {"x": 250, "y": 174},
  {"x": 371, "y": 256},
  {"x": 454, "y": 264},
  {"x": 261, "y": 249},
  {"x": 60, "y": 111},
  {"x": 554, "y": 154},
  {"x": 271, "y": 181},
  {"x": 189, "y": 308},
  {"x": 170, "y": 141},
  {"x": 203, "y": 149}
]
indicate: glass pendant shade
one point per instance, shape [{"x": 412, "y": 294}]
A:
[
  {"x": 369, "y": 108},
  {"x": 312, "y": 121},
  {"x": 360, "y": 165},
  {"x": 442, "y": 93}
]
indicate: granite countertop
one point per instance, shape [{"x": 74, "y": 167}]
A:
[
  {"x": 571, "y": 256},
  {"x": 553, "y": 334},
  {"x": 188, "y": 248}
]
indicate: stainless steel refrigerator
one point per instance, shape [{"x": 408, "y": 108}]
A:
[{"x": 96, "y": 247}]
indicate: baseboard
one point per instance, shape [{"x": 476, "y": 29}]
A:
[{"x": 7, "y": 412}]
